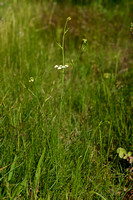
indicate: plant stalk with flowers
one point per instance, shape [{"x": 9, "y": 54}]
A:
[
  {"x": 62, "y": 67},
  {"x": 63, "y": 61}
]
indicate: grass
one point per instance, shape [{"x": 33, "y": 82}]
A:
[{"x": 48, "y": 152}]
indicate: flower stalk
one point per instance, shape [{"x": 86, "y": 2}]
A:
[{"x": 63, "y": 67}]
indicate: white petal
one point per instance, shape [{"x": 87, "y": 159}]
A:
[
  {"x": 66, "y": 65},
  {"x": 59, "y": 67},
  {"x": 63, "y": 67},
  {"x": 56, "y": 66}
]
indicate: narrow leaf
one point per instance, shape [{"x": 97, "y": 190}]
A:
[
  {"x": 11, "y": 170},
  {"x": 38, "y": 170}
]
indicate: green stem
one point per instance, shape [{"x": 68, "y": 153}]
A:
[
  {"x": 63, "y": 62},
  {"x": 63, "y": 75}
]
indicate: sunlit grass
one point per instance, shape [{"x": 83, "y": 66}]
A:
[{"x": 54, "y": 150}]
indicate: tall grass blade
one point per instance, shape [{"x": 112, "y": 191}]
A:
[
  {"x": 11, "y": 170},
  {"x": 38, "y": 171}
]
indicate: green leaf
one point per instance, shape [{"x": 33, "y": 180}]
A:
[
  {"x": 121, "y": 155},
  {"x": 129, "y": 153},
  {"x": 19, "y": 188},
  {"x": 121, "y": 150},
  {"x": 11, "y": 170},
  {"x": 38, "y": 170},
  {"x": 125, "y": 157}
]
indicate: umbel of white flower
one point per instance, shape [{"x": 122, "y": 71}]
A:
[{"x": 61, "y": 66}]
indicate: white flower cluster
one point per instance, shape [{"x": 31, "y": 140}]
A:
[
  {"x": 31, "y": 79},
  {"x": 61, "y": 66}
]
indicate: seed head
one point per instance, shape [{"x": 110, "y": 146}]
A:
[{"x": 69, "y": 19}]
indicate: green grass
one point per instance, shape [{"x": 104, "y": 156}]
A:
[{"x": 69, "y": 154}]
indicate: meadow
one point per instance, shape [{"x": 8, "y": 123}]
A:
[{"x": 60, "y": 128}]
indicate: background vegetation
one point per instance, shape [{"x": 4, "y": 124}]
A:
[{"x": 45, "y": 155}]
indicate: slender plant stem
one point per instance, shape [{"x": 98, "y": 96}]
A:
[{"x": 63, "y": 75}]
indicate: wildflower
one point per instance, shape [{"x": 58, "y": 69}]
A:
[
  {"x": 31, "y": 79},
  {"x": 61, "y": 66}
]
